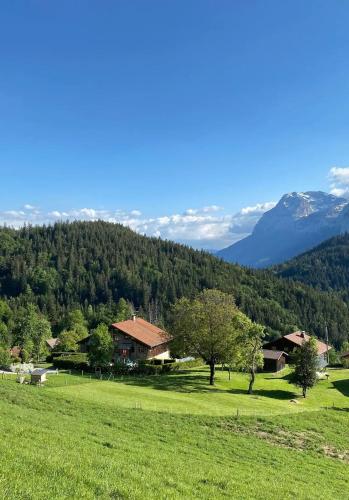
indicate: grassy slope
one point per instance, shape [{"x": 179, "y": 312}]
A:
[{"x": 78, "y": 438}]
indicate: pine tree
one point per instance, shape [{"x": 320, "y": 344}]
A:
[{"x": 306, "y": 365}]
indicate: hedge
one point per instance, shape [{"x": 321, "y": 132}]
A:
[
  {"x": 149, "y": 368},
  {"x": 74, "y": 362},
  {"x": 80, "y": 362}
]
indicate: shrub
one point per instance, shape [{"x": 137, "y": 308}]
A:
[
  {"x": 122, "y": 368},
  {"x": 150, "y": 368},
  {"x": 5, "y": 358},
  {"x": 345, "y": 362},
  {"x": 60, "y": 354},
  {"x": 73, "y": 362},
  {"x": 147, "y": 368},
  {"x": 193, "y": 363}
]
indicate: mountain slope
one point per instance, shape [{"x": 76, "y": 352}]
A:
[
  {"x": 325, "y": 267},
  {"x": 89, "y": 263},
  {"x": 297, "y": 223}
]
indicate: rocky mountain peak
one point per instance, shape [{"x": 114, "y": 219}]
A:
[{"x": 299, "y": 221}]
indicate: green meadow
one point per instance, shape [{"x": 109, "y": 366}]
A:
[{"x": 174, "y": 437}]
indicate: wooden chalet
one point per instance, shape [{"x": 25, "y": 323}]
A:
[
  {"x": 137, "y": 339},
  {"x": 274, "y": 361},
  {"x": 288, "y": 343}
]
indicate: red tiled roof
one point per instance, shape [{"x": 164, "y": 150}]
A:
[
  {"x": 144, "y": 332},
  {"x": 270, "y": 354},
  {"x": 299, "y": 337}
]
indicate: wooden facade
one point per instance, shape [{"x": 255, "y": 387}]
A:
[
  {"x": 137, "y": 340},
  {"x": 127, "y": 348},
  {"x": 274, "y": 361},
  {"x": 288, "y": 343}
]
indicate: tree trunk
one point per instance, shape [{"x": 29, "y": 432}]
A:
[
  {"x": 252, "y": 377},
  {"x": 229, "y": 372},
  {"x": 212, "y": 371},
  {"x": 304, "y": 392}
]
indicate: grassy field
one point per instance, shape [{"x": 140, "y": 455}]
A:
[{"x": 174, "y": 437}]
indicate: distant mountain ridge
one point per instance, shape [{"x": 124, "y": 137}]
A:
[{"x": 296, "y": 224}]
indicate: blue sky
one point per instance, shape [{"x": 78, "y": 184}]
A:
[{"x": 170, "y": 116}]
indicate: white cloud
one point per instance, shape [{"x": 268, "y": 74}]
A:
[
  {"x": 212, "y": 208},
  {"x": 29, "y": 207},
  {"x": 339, "y": 178},
  {"x": 90, "y": 213},
  {"x": 206, "y": 227},
  {"x": 258, "y": 209},
  {"x": 136, "y": 213},
  {"x": 55, "y": 214},
  {"x": 204, "y": 210}
]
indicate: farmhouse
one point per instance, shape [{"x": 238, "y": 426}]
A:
[
  {"x": 289, "y": 342},
  {"x": 136, "y": 339},
  {"x": 274, "y": 361}
]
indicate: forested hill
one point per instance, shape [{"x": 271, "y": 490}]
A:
[
  {"x": 325, "y": 267},
  {"x": 88, "y": 263}
]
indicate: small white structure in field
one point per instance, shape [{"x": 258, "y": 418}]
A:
[{"x": 38, "y": 376}]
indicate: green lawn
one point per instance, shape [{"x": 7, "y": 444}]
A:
[{"x": 174, "y": 437}]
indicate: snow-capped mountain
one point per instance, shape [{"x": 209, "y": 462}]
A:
[{"x": 297, "y": 223}]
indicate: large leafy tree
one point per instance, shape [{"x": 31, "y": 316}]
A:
[
  {"x": 77, "y": 323},
  {"x": 250, "y": 354},
  {"x": 33, "y": 330},
  {"x": 68, "y": 341},
  {"x": 75, "y": 330},
  {"x": 123, "y": 310},
  {"x": 41, "y": 334},
  {"x": 100, "y": 347},
  {"x": 6, "y": 324},
  {"x": 5, "y": 358},
  {"x": 306, "y": 365},
  {"x": 208, "y": 326}
]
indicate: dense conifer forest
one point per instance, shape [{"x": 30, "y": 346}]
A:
[
  {"x": 325, "y": 267},
  {"x": 91, "y": 265}
]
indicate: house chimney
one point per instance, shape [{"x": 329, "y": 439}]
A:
[{"x": 134, "y": 317}]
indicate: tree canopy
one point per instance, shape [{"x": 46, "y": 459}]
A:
[
  {"x": 100, "y": 347},
  {"x": 305, "y": 365},
  {"x": 210, "y": 326}
]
